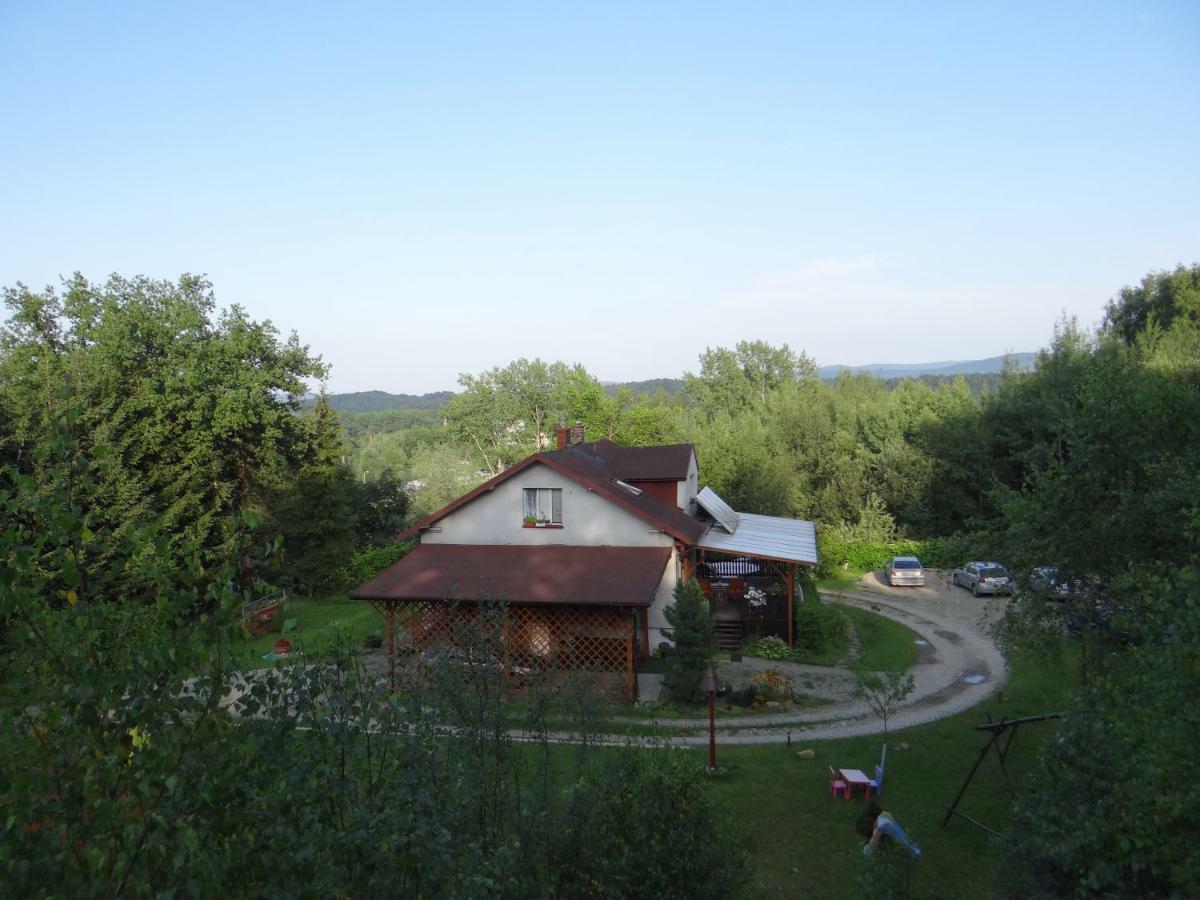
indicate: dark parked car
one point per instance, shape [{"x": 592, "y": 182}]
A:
[
  {"x": 983, "y": 578},
  {"x": 1112, "y": 621},
  {"x": 1047, "y": 581}
]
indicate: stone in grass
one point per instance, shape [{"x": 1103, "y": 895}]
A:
[
  {"x": 903, "y": 745},
  {"x": 807, "y": 754}
]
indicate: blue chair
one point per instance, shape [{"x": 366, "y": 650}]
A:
[{"x": 877, "y": 783}]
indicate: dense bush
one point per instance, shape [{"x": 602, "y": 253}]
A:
[
  {"x": 820, "y": 627},
  {"x": 368, "y": 562},
  {"x": 769, "y": 647}
]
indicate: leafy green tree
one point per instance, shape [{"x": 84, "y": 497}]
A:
[
  {"x": 1161, "y": 299},
  {"x": 884, "y": 692},
  {"x": 439, "y": 473},
  {"x": 503, "y": 415},
  {"x": 1115, "y": 803},
  {"x": 380, "y": 509},
  {"x": 315, "y": 515},
  {"x": 733, "y": 380},
  {"x": 695, "y": 646},
  {"x": 195, "y": 406}
]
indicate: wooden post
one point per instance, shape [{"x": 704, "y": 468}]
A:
[
  {"x": 712, "y": 731},
  {"x": 791, "y": 591},
  {"x": 389, "y": 617},
  {"x": 630, "y": 675},
  {"x": 504, "y": 645}
]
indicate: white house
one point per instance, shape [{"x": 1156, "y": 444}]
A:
[{"x": 586, "y": 544}]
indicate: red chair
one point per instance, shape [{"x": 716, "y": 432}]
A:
[{"x": 836, "y": 785}]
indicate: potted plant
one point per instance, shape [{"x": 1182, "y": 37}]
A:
[{"x": 529, "y": 522}]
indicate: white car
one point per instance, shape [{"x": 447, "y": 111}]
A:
[{"x": 904, "y": 570}]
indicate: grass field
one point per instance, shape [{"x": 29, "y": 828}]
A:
[
  {"x": 803, "y": 843},
  {"x": 316, "y": 624},
  {"x": 885, "y": 645}
]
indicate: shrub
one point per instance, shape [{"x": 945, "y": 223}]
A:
[
  {"x": 692, "y": 631},
  {"x": 770, "y": 647},
  {"x": 365, "y": 564},
  {"x": 938, "y": 553},
  {"x": 820, "y": 627}
]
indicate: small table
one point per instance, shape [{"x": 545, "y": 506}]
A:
[{"x": 857, "y": 778}]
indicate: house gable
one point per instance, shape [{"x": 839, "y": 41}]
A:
[
  {"x": 590, "y": 518},
  {"x": 595, "y": 475}
]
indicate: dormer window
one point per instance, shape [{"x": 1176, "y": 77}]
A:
[{"x": 543, "y": 506}]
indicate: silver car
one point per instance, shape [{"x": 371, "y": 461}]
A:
[
  {"x": 983, "y": 578},
  {"x": 904, "y": 570}
]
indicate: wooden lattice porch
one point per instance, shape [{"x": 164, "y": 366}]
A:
[{"x": 599, "y": 641}]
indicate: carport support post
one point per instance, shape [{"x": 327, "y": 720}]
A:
[{"x": 791, "y": 591}]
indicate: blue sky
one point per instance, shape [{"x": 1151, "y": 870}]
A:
[{"x": 421, "y": 190}]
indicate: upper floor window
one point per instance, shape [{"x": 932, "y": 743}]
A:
[{"x": 543, "y": 506}]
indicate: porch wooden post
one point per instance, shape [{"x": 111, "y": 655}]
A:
[
  {"x": 630, "y": 676},
  {"x": 504, "y": 644},
  {"x": 791, "y": 591},
  {"x": 389, "y": 617},
  {"x": 645, "y": 632}
]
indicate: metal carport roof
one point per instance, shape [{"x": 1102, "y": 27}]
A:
[{"x": 766, "y": 537}]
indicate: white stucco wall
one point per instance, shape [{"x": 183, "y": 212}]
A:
[
  {"x": 589, "y": 520},
  {"x": 688, "y": 489},
  {"x": 656, "y": 621}
]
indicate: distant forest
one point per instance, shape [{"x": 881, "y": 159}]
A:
[{"x": 979, "y": 380}]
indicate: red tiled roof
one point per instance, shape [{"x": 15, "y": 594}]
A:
[
  {"x": 593, "y": 471},
  {"x": 585, "y": 576},
  {"x": 662, "y": 462}
]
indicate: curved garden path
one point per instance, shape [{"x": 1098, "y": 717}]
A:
[{"x": 959, "y": 666}]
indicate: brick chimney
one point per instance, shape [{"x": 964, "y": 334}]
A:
[
  {"x": 577, "y": 433},
  {"x": 560, "y": 436}
]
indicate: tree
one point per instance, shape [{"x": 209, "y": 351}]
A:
[
  {"x": 315, "y": 515},
  {"x": 733, "y": 380},
  {"x": 194, "y": 406},
  {"x": 695, "y": 646},
  {"x": 883, "y": 692},
  {"x": 1158, "y": 301},
  {"x": 503, "y": 415},
  {"x": 380, "y": 507},
  {"x": 1097, "y": 820}
]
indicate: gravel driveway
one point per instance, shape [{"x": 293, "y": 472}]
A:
[{"x": 958, "y": 667}]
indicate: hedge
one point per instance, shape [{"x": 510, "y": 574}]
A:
[{"x": 938, "y": 553}]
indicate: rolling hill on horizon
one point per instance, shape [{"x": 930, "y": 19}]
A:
[
  {"x": 989, "y": 366},
  {"x": 376, "y": 401}
]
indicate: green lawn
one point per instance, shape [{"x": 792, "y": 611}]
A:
[
  {"x": 885, "y": 645},
  {"x": 317, "y": 623},
  {"x": 803, "y": 843}
]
